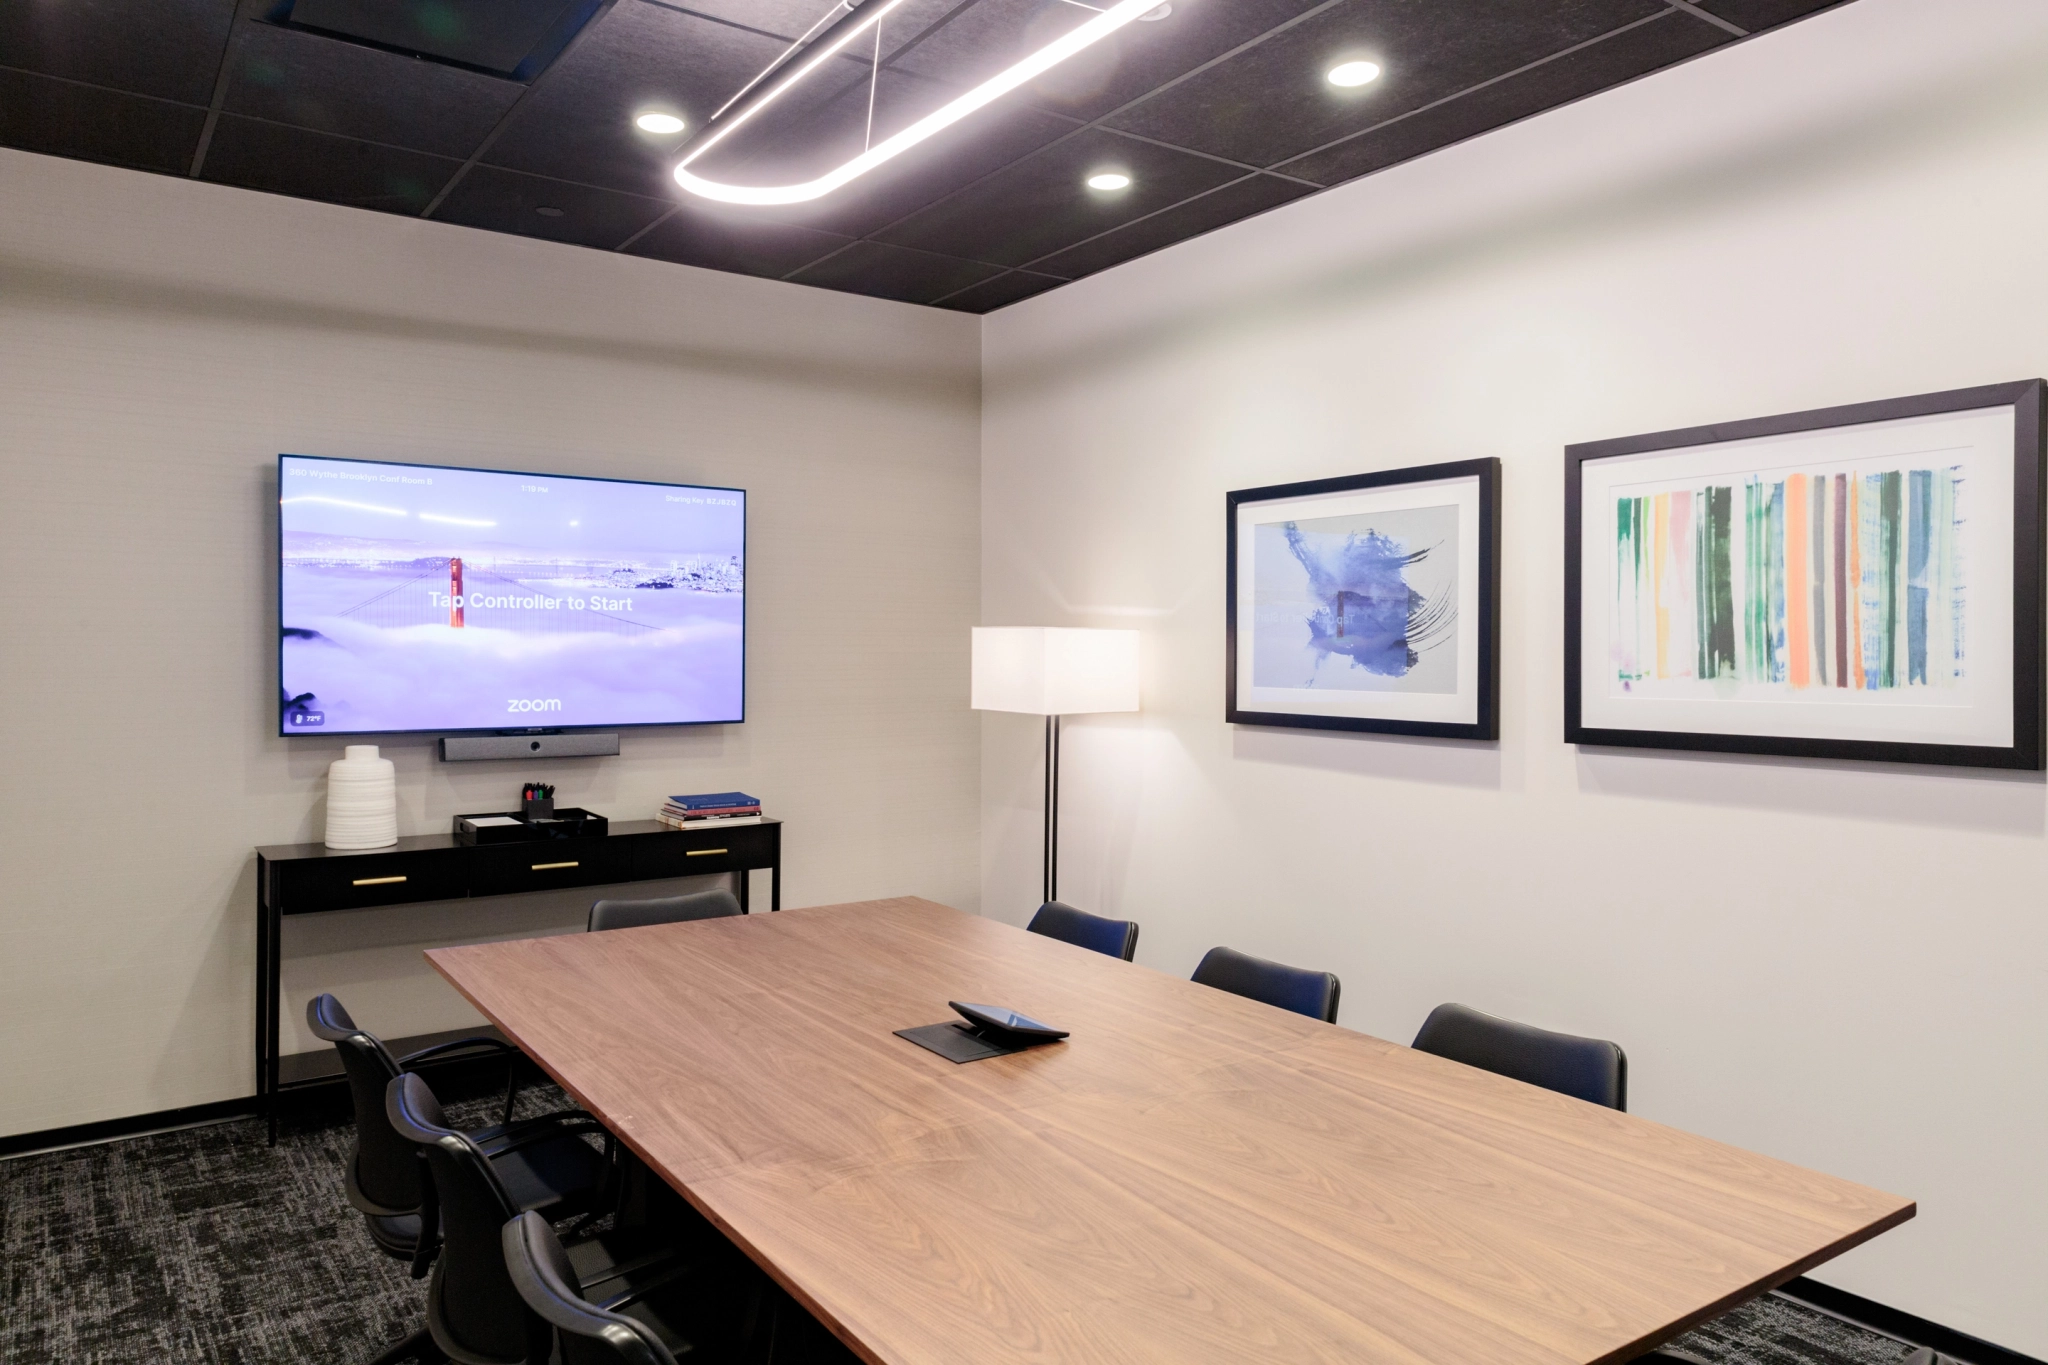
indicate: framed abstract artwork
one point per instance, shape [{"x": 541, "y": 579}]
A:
[
  {"x": 1860, "y": 582},
  {"x": 1367, "y": 603}
]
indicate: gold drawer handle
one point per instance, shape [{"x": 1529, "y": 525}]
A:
[
  {"x": 702, "y": 852},
  {"x": 378, "y": 881},
  {"x": 548, "y": 867}
]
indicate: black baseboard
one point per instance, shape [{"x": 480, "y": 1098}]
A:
[
  {"x": 79, "y": 1134},
  {"x": 453, "y": 1078},
  {"x": 1904, "y": 1326}
]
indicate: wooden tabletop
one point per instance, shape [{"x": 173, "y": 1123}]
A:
[{"x": 1190, "y": 1178}]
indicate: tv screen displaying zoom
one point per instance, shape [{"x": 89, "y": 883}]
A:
[{"x": 416, "y": 597}]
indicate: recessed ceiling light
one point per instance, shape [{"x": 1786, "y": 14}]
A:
[
  {"x": 1354, "y": 73},
  {"x": 1109, "y": 180},
  {"x": 654, "y": 121},
  {"x": 548, "y": 211}
]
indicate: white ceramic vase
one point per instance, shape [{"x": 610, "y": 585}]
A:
[{"x": 362, "y": 799}]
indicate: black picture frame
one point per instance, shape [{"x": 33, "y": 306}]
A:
[
  {"x": 1487, "y": 472},
  {"x": 2026, "y": 398}
]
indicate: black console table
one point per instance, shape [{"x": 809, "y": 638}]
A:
[{"x": 305, "y": 879}]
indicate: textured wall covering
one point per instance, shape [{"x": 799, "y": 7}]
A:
[
  {"x": 1841, "y": 965},
  {"x": 162, "y": 341}
]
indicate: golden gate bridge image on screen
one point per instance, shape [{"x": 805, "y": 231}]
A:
[{"x": 460, "y": 596}]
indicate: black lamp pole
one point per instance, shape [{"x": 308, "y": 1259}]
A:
[{"x": 1052, "y": 807}]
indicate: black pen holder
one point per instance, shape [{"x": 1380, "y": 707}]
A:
[{"x": 540, "y": 808}]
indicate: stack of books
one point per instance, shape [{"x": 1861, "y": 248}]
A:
[{"x": 710, "y": 809}]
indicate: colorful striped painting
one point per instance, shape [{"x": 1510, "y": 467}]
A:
[{"x": 1848, "y": 580}]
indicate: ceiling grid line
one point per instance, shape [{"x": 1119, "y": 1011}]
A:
[
  {"x": 604, "y": 10},
  {"x": 96, "y": 85},
  {"x": 1716, "y": 20},
  {"x": 1091, "y": 125},
  {"x": 1491, "y": 81},
  {"x": 220, "y": 95},
  {"x": 1027, "y": 266},
  {"x": 1229, "y": 161}
]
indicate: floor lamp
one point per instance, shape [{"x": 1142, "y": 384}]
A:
[{"x": 1052, "y": 672}]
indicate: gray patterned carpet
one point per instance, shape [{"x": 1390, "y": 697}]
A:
[{"x": 208, "y": 1245}]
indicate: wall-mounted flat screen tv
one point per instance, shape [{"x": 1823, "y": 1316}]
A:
[{"x": 423, "y": 598}]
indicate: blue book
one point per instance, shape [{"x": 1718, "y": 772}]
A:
[{"x": 714, "y": 801}]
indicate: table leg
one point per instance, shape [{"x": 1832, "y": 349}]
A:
[
  {"x": 263, "y": 996},
  {"x": 274, "y": 1000}
]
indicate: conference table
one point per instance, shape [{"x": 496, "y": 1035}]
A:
[{"x": 1190, "y": 1177}]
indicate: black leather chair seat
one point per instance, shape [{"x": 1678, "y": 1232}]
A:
[{"x": 557, "y": 1179}]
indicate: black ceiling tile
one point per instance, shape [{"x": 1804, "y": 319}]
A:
[
  {"x": 577, "y": 123},
  {"x": 310, "y": 165},
  {"x": 332, "y": 86},
  {"x": 1273, "y": 101},
  {"x": 783, "y": 18},
  {"x": 1758, "y": 15},
  {"x": 1040, "y": 204},
  {"x": 735, "y": 240},
  {"x": 167, "y": 48},
  {"x": 1253, "y": 194},
  {"x": 892, "y": 272},
  {"x": 1000, "y": 292},
  {"x": 61, "y": 118},
  {"x": 1606, "y": 63},
  {"x": 508, "y": 37},
  {"x": 992, "y": 34},
  {"x": 788, "y": 19},
  {"x": 506, "y": 201}
]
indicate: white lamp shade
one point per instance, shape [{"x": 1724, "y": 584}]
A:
[{"x": 1048, "y": 671}]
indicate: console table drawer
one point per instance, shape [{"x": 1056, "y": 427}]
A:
[
  {"x": 501, "y": 869},
  {"x": 348, "y": 883},
  {"x": 688, "y": 853}
]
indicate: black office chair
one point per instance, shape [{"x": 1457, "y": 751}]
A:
[
  {"x": 1590, "y": 1069},
  {"x": 1114, "y": 937},
  {"x": 474, "y": 1311},
  {"x": 647, "y": 1313},
  {"x": 544, "y": 1163},
  {"x": 1274, "y": 983},
  {"x": 663, "y": 910},
  {"x": 590, "y": 1335}
]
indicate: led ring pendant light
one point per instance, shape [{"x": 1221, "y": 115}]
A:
[{"x": 863, "y": 18}]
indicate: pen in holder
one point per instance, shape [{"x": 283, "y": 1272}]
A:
[{"x": 537, "y": 801}]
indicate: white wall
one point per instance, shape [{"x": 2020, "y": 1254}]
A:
[
  {"x": 1839, "y": 964},
  {"x": 162, "y": 340}
]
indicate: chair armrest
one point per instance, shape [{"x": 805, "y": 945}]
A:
[
  {"x": 662, "y": 1279},
  {"x": 546, "y": 1128},
  {"x": 458, "y": 1045}
]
